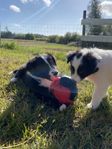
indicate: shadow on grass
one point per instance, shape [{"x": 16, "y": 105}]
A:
[
  {"x": 26, "y": 113},
  {"x": 63, "y": 129},
  {"x": 92, "y": 131},
  {"x": 18, "y": 114}
]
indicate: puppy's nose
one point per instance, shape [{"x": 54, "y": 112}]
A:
[{"x": 55, "y": 73}]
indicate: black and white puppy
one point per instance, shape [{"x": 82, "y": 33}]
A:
[
  {"x": 34, "y": 72},
  {"x": 43, "y": 66},
  {"x": 96, "y": 65}
]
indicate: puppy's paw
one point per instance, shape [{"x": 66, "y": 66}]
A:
[
  {"x": 107, "y": 95},
  {"x": 45, "y": 83},
  {"x": 93, "y": 106},
  {"x": 89, "y": 105},
  {"x": 62, "y": 107}
]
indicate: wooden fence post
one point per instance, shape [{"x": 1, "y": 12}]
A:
[
  {"x": 0, "y": 35},
  {"x": 84, "y": 27}
]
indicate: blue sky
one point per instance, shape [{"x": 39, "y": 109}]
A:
[{"x": 50, "y": 16}]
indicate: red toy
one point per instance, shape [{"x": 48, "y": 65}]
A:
[
  {"x": 61, "y": 93},
  {"x": 63, "y": 89}
]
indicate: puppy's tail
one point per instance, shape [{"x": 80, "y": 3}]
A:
[{"x": 14, "y": 79}]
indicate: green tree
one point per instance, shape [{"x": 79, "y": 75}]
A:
[
  {"x": 29, "y": 36},
  {"x": 52, "y": 38},
  {"x": 6, "y": 33},
  {"x": 94, "y": 11}
]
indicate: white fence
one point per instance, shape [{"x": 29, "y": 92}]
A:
[{"x": 95, "y": 38}]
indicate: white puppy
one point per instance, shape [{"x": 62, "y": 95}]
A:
[{"x": 96, "y": 65}]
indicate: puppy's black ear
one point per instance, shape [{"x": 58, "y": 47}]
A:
[
  {"x": 93, "y": 57},
  {"x": 49, "y": 54},
  {"x": 52, "y": 57},
  {"x": 70, "y": 56}
]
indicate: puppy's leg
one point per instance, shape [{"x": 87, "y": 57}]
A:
[
  {"x": 99, "y": 93},
  {"x": 45, "y": 83}
]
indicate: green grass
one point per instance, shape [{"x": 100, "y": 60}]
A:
[{"x": 26, "y": 121}]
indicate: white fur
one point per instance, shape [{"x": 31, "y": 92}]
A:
[
  {"x": 102, "y": 79},
  {"x": 76, "y": 63},
  {"x": 13, "y": 80},
  {"x": 10, "y": 73}
]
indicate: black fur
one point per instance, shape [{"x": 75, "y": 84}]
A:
[
  {"x": 88, "y": 66},
  {"x": 71, "y": 56},
  {"x": 40, "y": 65},
  {"x": 51, "y": 60},
  {"x": 42, "y": 93},
  {"x": 72, "y": 69}
]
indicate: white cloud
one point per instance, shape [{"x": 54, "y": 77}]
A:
[
  {"x": 26, "y": 1},
  {"x": 106, "y": 7},
  {"x": 15, "y": 8},
  {"x": 17, "y": 25},
  {"x": 47, "y": 2}
]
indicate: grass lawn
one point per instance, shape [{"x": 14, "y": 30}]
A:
[{"x": 27, "y": 123}]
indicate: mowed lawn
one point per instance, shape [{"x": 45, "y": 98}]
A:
[{"x": 27, "y": 123}]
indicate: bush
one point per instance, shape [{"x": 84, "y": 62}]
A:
[
  {"x": 41, "y": 39},
  {"x": 66, "y": 39},
  {"x": 9, "y": 45}
]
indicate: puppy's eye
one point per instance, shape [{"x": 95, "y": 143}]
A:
[
  {"x": 72, "y": 69},
  {"x": 81, "y": 71}
]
